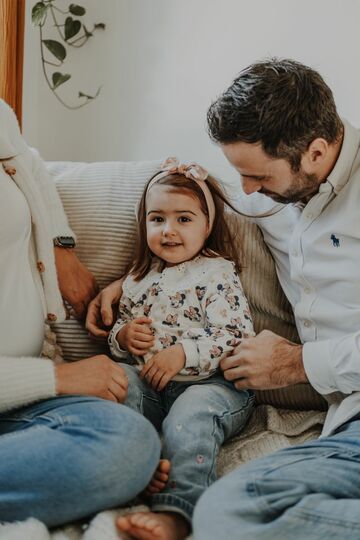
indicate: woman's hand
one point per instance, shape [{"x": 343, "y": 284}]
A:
[
  {"x": 97, "y": 376},
  {"x": 102, "y": 310},
  {"x": 163, "y": 366},
  {"x": 136, "y": 336},
  {"x": 76, "y": 283}
]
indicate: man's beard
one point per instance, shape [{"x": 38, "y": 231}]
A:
[{"x": 302, "y": 188}]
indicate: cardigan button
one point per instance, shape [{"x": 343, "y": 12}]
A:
[
  {"x": 9, "y": 170},
  {"x": 51, "y": 317},
  {"x": 41, "y": 266}
]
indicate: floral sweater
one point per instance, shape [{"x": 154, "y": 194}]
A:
[{"x": 199, "y": 304}]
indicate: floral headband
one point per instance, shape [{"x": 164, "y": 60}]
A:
[{"x": 194, "y": 172}]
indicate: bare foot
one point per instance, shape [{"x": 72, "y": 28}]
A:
[
  {"x": 154, "y": 526},
  {"x": 160, "y": 478}
]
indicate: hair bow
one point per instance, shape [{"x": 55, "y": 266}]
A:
[{"x": 193, "y": 171}]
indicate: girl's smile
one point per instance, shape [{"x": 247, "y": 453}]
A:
[{"x": 176, "y": 226}]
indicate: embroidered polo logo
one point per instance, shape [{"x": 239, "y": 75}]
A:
[{"x": 335, "y": 241}]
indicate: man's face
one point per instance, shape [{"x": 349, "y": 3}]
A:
[{"x": 271, "y": 176}]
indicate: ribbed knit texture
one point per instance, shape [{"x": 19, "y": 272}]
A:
[
  {"x": 268, "y": 430},
  {"x": 269, "y": 307},
  {"x": 24, "y": 380},
  {"x": 99, "y": 199}
]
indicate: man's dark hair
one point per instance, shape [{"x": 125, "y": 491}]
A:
[{"x": 282, "y": 104}]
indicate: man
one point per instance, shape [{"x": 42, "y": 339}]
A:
[
  {"x": 299, "y": 163},
  {"x": 278, "y": 126}
]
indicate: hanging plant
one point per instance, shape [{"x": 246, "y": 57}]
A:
[{"x": 73, "y": 33}]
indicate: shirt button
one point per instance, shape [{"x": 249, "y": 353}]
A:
[
  {"x": 295, "y": 252},
  {"x": 307, "y": 290},
  {"x": 307, "y": 323},
  {"x": 309, "y": 215}
]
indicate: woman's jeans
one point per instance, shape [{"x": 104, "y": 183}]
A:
[
  {"x": 65, "y": 458},
  {"x": 306, "y": 492},
  {"x": 196, "y": 417}
]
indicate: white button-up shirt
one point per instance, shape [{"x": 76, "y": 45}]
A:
[{"x": 316, "y": 249}]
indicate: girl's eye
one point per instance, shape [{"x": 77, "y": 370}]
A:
[
  {"x": 184, "y": 219},
  {"x": 157, "y": 219}
]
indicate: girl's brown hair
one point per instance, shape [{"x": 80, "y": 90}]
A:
[{"x": 220, "y": 242}]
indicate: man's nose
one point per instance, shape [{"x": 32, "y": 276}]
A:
[{"x": 250, "y": 186}]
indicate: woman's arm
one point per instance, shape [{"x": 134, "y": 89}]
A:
[{"x": 25, "y": 380}]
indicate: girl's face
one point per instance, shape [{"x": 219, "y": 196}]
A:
[{"x": 176, "y": 226}]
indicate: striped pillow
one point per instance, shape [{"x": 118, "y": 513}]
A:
[{"x": 100, "y": 198}]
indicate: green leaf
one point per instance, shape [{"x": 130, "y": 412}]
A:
[
  {"x": 38, "y": 14},
  {"x": 56, "y": 48},
  {"x": 100, "y": 26},
  {"x": 58, "y": 78},
  {"x": 77, "y": 10},
  {"x": 72, "y": 27},
  {"x": 81, "y": 94}
]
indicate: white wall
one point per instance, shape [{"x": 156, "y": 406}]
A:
[{"x": 162, "y": 62}]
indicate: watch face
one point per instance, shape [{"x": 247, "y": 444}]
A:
[{"x": 65, "y": 241}]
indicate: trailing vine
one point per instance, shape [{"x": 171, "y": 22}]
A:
[{"x": 72, "y": 33}]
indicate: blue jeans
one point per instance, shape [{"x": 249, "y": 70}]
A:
[
  {"x": 310, "y": 491},
  {"x": 196, "y": 417},
  {"x": 65, "y": 458}
]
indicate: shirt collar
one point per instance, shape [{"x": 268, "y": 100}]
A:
[{"x": 342, "y": 170}]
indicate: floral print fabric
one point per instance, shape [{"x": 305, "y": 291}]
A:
[{"x": 199, "y": 304}]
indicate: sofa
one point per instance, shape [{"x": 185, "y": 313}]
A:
[{"x": 99, "y": 199}]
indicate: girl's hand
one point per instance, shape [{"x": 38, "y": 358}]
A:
[
  {"x": 136, "y": 336},
  {"x": 163, "y": 366}
]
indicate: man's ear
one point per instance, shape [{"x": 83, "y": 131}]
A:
[{"x": 315, "y": 155}]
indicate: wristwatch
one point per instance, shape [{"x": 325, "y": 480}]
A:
[{"x": 64, "y": 241}]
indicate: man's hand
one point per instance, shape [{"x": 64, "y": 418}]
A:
[
  {"x": 102, "y": 310},
  {"x": 263, "y": 362},
  {"x": 97, "y": 376},
  {"x": 77, "y": 285},
  {"x": 163, "y": 366},
  {"x": 136, "y": 336}
]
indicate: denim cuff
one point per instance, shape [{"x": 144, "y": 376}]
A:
[{"x": 163, "y": 502}]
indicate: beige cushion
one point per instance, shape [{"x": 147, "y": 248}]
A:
[
  {"x": 99, "y": 199},
  {"x": 270, "y": 309}
]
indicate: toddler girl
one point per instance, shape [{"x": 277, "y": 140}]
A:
[{"x": 182, "y": 311}]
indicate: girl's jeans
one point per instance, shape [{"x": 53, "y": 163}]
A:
[
  {"x": 67, "y": 457},
  {"x": 310, "y": 491},
  {"x": 196, "y": 418}
]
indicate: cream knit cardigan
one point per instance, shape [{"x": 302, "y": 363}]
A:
[{"x": 27, "y": 379}]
